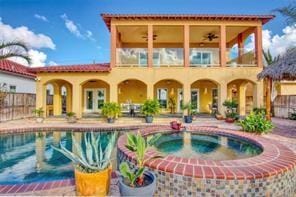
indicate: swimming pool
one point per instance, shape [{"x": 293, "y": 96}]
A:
[{"x": 28, "y": 157}]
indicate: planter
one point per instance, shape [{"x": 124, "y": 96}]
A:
[
  {"x": 93, "y": 184},
  {"x": 219, "y": 117},
  {"x": 72, "y": 119},
  {"x": 188, "y": 119},
  {"x": 110, "y": 120},
  {"x": 147, "y": 190},
  {"x": 39, "y": 120},
  {"x": 149, "y": 119},
  {"x": 229, "y": 120}
]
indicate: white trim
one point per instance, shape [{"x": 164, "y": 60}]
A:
[{"x": 95, "y": 99}]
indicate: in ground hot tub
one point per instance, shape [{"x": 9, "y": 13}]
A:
[{"x": 205, "y": 161}]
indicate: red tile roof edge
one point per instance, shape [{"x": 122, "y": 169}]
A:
[
  {"x": 102, "y": 67},
  {"x": 14, "y": 68},
  {"x": 264, "y": 18}
]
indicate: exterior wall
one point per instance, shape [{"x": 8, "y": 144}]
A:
[
  {"x": 133, "y": 90},
  {"x": 287, "y": 88},
  {"x": 150, "y": 76},
  {"x": 23, "y": 85}
]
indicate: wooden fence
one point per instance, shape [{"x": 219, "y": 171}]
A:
[
  {"x": 283, "y": 106},
  {"x": 17, "y": 106}
]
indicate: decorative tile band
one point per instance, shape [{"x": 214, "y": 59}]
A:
[{"x": 275, "y": 165}]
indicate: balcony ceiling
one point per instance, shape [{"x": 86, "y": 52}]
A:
[{"x": 174, "y": 34}]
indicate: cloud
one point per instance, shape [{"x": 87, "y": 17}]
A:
[
  {"x": 40, "y": 17},
  {"x": 22, "y": 33},
  {"x": 33, "y": 41},
  {"x": 52, "y": 63},
  {"x": 71, "y": 26}
]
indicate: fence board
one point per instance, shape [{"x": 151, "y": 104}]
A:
[
  {"x": 17, "y": 106},
  {"x": 283, "y": 106}
]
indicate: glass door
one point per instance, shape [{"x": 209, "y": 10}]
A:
[
  {"x": 195, "y": 100},
  {"x": 180, "y": 99},
  {"x": 162, "y": 97},
  {"x": 89, "y": 100},
  {"x": 100, "y": 98}
]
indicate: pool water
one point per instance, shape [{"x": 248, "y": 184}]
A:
[
  {"x": 208, "y": 147},
  {"x": 29, "y": 157}
]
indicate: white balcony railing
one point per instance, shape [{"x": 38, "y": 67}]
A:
[
  {"x": 131, "y": 57},
  {"x": 204, "y": 57},
  {"x": 239, "y": 57},
  {"x": 168, "y": 57}
]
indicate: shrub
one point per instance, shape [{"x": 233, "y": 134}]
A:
[
  {"x": 38, "y": 112},
  {"x": 257, "y": 110},
  {"x": 111, "y": 110},
  {"x": 150, "y": 107},
  {"x": 188, "y": 106},
  {"x": 256, "y": 123},
  {"x": 70, "y": 114}
]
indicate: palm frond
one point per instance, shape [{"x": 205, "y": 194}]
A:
[
  {"x": 8, "y": 55},
  {"x": 13, "y": 44},
  {"x": 14, "y": 49},
  {"x": 289, "y": 12}
]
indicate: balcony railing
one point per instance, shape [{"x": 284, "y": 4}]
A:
[
  {"x": 204, "y": 57},
  {"x": 129, "y": 57},
  {"x": 237, "y": 57},
  {"x": 168, "y": 57}
]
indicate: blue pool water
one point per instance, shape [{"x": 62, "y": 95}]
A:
[
  {"x": 29, "y": 157},
  {"x": 209, "y": 147}
]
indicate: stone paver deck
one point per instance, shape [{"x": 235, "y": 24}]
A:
[{"x": 284, "y": 132}]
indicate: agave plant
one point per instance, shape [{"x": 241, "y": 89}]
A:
[
  {"x": 138, "y": 144},
  {"x": 94, "y": 157}
]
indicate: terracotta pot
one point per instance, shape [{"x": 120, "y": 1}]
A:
[
  {"x": 93, "y": 184},
  {"x": 39, "y": 120},
  {"x": 72, "y": 119},
  {"x": 229, "y": 120}
]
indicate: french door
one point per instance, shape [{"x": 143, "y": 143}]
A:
[
  {"x": 195, "y": 99},
  {"x": 94, "y": 99}
]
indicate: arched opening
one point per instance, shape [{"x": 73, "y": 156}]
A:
[
  {"x": 169, "y": 94},
  {"x": 131, "y": 93},
  {"x": 58, "y": 97},
  {"x": 242, "y": 91},
  {"x": 95, "y": 93},
  {"x": 204, "y": 96}
]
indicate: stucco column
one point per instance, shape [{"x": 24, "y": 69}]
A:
[
  {"x": 242, "y": 99},
  {"x": 258, "y": 92},
  {"x": 57, "y": 100},
  {"x": 258, "y": 45},
  {"x": 77, "y": 94},
  {"x": 113, "y": 93},
  {"x": 113, "y": 45},
  {"x": 186, "y": 94},
  {"x": 229, "y": 92},
  {"x": 186, "y": 45},
  {"x": 150, "y": 46},
  {"x": 69, "y": 99},
  {"x": 222, "y": 96},
  {"x": 41, "y": 96},
  {"x": 150, "y": 91},
  {"x": 222, "y": 45},
  {"x": 268, "y": 98}
]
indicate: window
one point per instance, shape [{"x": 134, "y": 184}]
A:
[
  {"x": 215, "y": 98},
  {"x": 201, "y": 57},
  {"x": 12, "y": 88},
  {"x": 143, "y": 58},
  {"x": 101, "y": 98},
  {"x": 162, "y": 95}
]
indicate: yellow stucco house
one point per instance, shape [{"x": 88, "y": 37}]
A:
[{"x": 172, "y": 58}]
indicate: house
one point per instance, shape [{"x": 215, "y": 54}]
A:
[
  {"x": 17, "y": 78},
  {"x": 202, "y": 59}
]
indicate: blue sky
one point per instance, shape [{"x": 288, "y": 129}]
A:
[{"x": 90, "y": 39}]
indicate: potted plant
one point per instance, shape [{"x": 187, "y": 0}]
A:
[
  {"x": 231, "y": 108},
  {"x": 149, "y": 109},
  {"x": 39, "y": 114},
  {"x": 135, "y": 182},
  {"x": 256, "y": 123},
  {"x": 188, "y": 108},
  {"x": 71, "y": 117},
  {"x": 92, "y": 166},
  {"x": 111, "y": 111}
]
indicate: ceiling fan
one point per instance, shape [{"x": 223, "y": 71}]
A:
[
  {"x": 210, "y": 36},
  {"x": 145, "y": 36}
]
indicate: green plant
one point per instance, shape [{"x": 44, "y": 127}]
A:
[
  {"x": 188, "y": 107},
  {"x": 150, "y": 107},
  {"x": 111, "y": 110},
  {"x": 138, "y": 144},
  {"x": 293, "y": 115},
  {"x": 256, "y": 123},
  {"x": 231, "y": 108},
  {"x": 230, "y": 104},
  {"x": 70, "y": 114},
  {"x": 14, "y": 49},
  {"x": 38, "y": 112},
  {"x": 258, "y": 110},
  {"x": 94, "y": 157}
]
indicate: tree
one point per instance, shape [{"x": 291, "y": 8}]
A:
[
  {"x": 3, "y": 93},
  {"x": 268, "y": 57},
  {"x": 289, "y": 12},
  {"x": 14, "y": 49}
]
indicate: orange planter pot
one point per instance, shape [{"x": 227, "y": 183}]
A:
[{"x": 93, "y": 184}]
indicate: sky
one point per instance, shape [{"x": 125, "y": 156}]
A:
[{"x": 61, "y": 32}]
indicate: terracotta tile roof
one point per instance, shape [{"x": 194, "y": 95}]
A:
[
  {"x": 16, "y": 68},
  {"x": 226, "y": 17},
  {"x": 74, "y": 68}
]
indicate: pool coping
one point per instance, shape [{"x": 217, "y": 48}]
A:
[{"x": 275, "y": 158}]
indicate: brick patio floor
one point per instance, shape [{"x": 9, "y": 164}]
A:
[{"x": 284, "y": 132}]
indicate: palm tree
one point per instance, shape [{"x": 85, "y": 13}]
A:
[
  {"x": 289, "y": 12},
  {"x": 268, "y": 57},
  {"x": 14, "y": 49}
]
